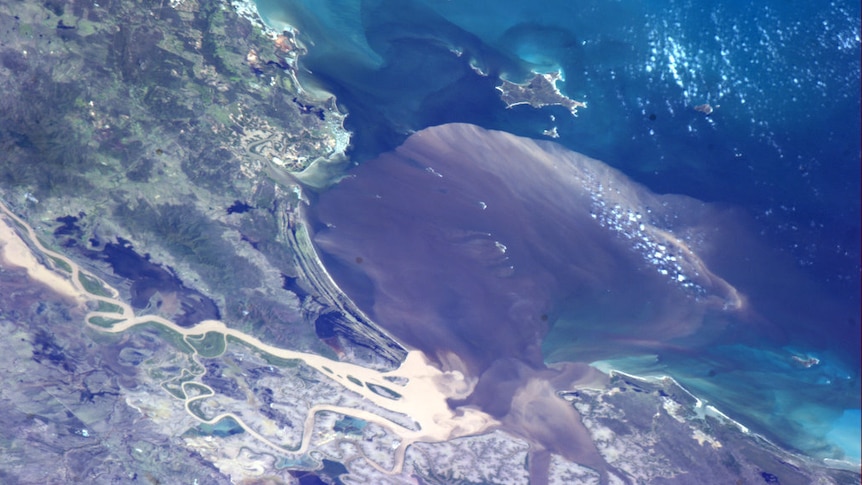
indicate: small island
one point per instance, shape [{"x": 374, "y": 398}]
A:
[{"x": 540, "y": 91}]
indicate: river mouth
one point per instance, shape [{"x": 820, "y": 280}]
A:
[
  {"x": 509, "y": 253},
  {"x": 468, "y": 244}
]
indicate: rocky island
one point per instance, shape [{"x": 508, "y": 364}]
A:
[{"x": 540, "y": 91}]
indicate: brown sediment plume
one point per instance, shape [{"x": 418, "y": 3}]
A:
[
  {"x": 481, "y": 244},
  {"x": 526, "y": 402},
  {"x": 469, "y": 237}
]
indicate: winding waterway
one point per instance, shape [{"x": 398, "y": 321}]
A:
[{"x": 422, "y": 393}]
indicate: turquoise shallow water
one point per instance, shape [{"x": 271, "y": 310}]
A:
[
  {"x": 769, "y": 392},
  {"x": 782, "y": 145},
  {"x": 843, "y": 432}
]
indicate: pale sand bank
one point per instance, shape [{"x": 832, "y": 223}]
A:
[{"x": 14, "y": 251}]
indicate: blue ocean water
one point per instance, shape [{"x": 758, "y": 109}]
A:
[{"x": 782, "y": 144}]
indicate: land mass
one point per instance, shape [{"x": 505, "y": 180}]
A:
[
  {"x": 538, "y": 92},
  {"x": 167, "y": 319}
]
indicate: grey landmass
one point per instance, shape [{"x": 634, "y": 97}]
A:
[
  {"x": 168, "y": 132},
  {"x": 541, "y": 90},
  {"x": 148, "y": 122},
  {"x": 64, "y": 417}
]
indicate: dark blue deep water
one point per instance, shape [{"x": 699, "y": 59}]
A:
[{"x": 782, "y": 143}]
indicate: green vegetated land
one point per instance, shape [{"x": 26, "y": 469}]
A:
[
  {"x": 210, "y": 344},
  {"x": 174, "y": 338},
  {"x": 92, "y": 285},
  {"x": 104, "y": 322},
  {"x": 140, "y": 117},
  {"x": 108, "y": 307},
  {"x": 269, "y": 358}
]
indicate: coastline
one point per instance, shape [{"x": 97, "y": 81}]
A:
[
  {"x": 208, "y": 177},
  {"x": 322, "y": 171},
  {"x": 702, "y": 409},
  {"x": 540, "y": 91}
]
